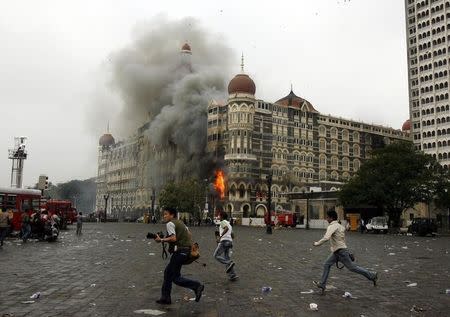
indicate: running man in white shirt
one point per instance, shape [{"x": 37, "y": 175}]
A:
[
  {"x": 336, "y": 234},
  {"x": 225, "y": 243}
]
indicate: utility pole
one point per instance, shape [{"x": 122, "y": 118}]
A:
[{"x": 269, "y": 204}]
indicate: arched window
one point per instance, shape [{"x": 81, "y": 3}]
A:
[
  {"x": 322, "y": 175},
  {"x": 345, "y": 134},
  {"x": 334, "y": 146},
  {"x": 322, "y": 145},
  {"x": 345, "y": 148},
  {"x": 356, "y": 165},
  {"x": 323, "y": 160},
  {"x": 356, "y": 151},
  {"x": 345, "y": 164},
  {"x": 334, "y": 162},
  {"x": 322, "y": 131},
  {"x": 333, "y": 133}
]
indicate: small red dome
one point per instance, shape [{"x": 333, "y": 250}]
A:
[
  {"x": 407, "y": 125},
  {"x": 242, "y": 83},
  {"x": 186, "y": 47},
  {"x": 106, "y": 140}
]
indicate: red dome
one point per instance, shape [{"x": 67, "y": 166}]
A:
[
  {"x": 407, "y": 125},
  {"x": 106, "y": 140},
  {"x": 241, "y": 83},
  {"x": 186, "y": 47}
]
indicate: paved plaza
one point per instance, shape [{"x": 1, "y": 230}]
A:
[{"x": 112, "y": 270}]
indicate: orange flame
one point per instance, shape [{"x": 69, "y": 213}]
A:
[{"x": 219, "y": 184}]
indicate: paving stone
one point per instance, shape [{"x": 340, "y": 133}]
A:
[{"x": 127, "y": 278}]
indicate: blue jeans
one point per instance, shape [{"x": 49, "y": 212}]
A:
[
  {"x": 224, "y": 248},
  {"x": 26, "y": 231},
  {"x": 172, "y": 273},
  {"x": 343, "y": 256}
]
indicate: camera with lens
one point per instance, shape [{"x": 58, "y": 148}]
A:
[{"x": 151, "y": 235}]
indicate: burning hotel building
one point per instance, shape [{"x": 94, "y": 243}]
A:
[{"x": 303, "y": 149}]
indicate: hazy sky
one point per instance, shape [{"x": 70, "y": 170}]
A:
[{"x": 348, "y": 58}]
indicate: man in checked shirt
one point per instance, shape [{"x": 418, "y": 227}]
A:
[{"x": 336, "y": 234}]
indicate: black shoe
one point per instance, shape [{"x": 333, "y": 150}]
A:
[
  {"x": 162, "y": 301},
  {"x": 198, "y": 292},
  {"x": 233, "y": 278},
  {"x": 375, "y": 279},
  {"x": 319, "y": 285},
  {"x": 230, "y": 267}
]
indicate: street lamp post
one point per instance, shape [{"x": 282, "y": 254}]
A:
[
  {"x": 307, "y": 208},
  {"x": 153, "y": 203},
  {"x": 269, "y": 204},
  {"x": 105, "y": 197},
  {"x": 206, "y": 199}
]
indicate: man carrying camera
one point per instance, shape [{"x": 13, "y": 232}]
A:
[
  {"x": 336, "y": 234},
  {"x": 179, "y": 239}
]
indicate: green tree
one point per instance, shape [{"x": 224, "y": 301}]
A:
[
  {"x": 396, "y": 177},
  {"x": 81, "y": 192},
  {"x": 186, "y": 196}
]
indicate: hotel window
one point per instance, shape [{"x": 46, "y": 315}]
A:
[
  {"x": 356, "y": 150},
  {"x": 345, "y": 148},
  {"x": 322, "y": 145},
  {"x": 333, "y": 133},
  {"x": 345, "y": 135},
  {"x": 323, "y": 160},
  {"x": 334, "y": 162},
  {"x": 356, "y": 165},
  {"x": 322, "y": 131},
  {"x": 322, "y": 175},
  {"x": 334, "y": 147},
  {"x": 355, "y": 136},
  {"x": 345, "y": 164}
]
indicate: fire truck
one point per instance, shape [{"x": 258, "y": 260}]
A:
[
  {"x": 286, "y": 219},
  {"x": 63, "y": 209}
]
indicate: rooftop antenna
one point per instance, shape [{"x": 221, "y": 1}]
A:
[{"x": 242, "y": 62}]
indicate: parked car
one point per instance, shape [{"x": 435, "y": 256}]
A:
[
  {"x": 377, "y": 224},
  {"x": 423, "y": 226}
]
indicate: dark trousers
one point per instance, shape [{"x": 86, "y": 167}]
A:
[
  {"x": 3, "y": 234},
  {"x": 172, "y": 273},
  {"x": 79, "y": 227}
]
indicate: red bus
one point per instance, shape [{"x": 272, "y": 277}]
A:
[{"x": 18, "y": 200}]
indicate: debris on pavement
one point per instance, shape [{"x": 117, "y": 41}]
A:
[
  {"x": 416, "y": 309},
  {"x": 153, "y": 312},
  {"x": 392, "y": 253},
  {"x": 36, "y": 295},
  {"x": 313, "y": 306},
  {"x": 412, "y": 285},
  {"x": 307, "y": 292},
  {"x": 266, "y": 289},
  {"x": 93, "y": 285},
  {"x": 348, "y": 295}
]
